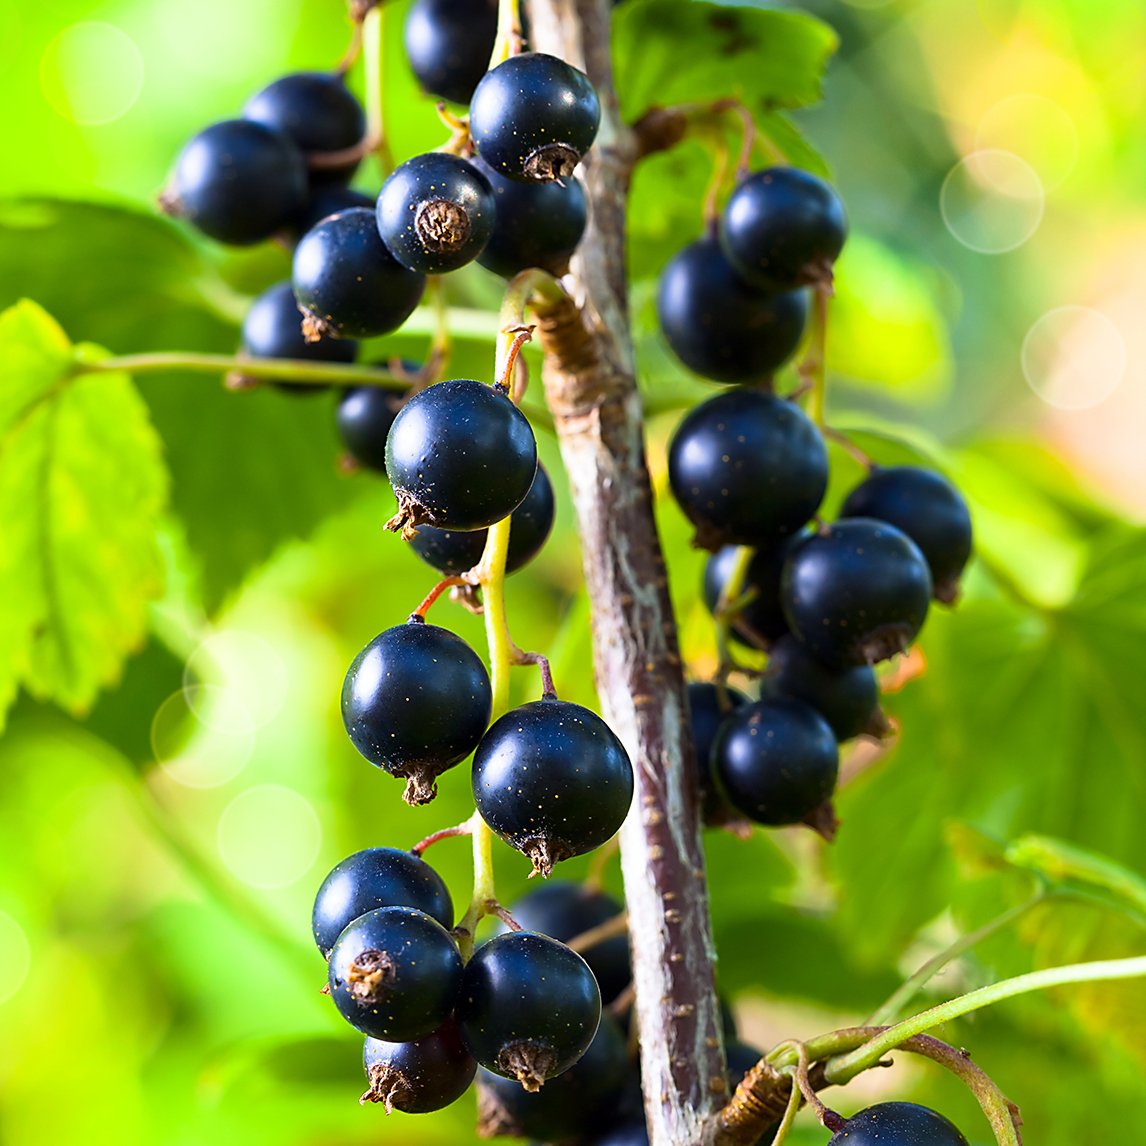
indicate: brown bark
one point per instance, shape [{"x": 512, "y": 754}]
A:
[{"x": 591, "y": 390}]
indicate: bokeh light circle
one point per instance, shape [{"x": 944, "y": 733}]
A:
[
  {"x": 1074, "y": 357},
  {"x": 201, "y": 753},
  {"x": 15, "y": 957},
  {"x": 1035, "y": 128},
  {"x": 269, "y": 836},
  {"x": 992, "y": 201},
  {"x": 92, "y": 73},
  {"x": 245, "y": 665}
]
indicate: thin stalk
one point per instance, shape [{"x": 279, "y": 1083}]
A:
[
  {"x": 374, "y": 54},
  {"x": 508, "y": 41},
  {"x": 813, "y": 370},
  {"x": 277, "y": 369}
]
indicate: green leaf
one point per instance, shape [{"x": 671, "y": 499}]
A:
[
  {"x": 82, "y": 484},
  {"x": 770, "y": 59},
  {"x": 1065, "y": 863}
]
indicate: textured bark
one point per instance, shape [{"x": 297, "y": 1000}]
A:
[{"x": 592, "y": 393}]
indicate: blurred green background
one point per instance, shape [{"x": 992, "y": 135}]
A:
[{"x": 159, "y": 854}]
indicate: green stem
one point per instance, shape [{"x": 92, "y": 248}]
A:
[
  {"x": 845, "y": 1067},
  {"x": 814, "y": 367},
  {"x": 912, "y": 986},
  {"x": 728, "y": 604},
  {"x": 278, "y": 369},
  {"x": 508, "y": 41},
  {"x": 373, "y": 45}
]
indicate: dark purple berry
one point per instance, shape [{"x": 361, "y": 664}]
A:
[
  {"x": 565, "y": 910},
  {"x": 415, "y": 702},
  {"x": 856, "y": 593},
  {"x": 373, "y": 878},
  {"x": 568, "y": 1106},
  {"x": 395, "y": 974},
  {"x": 436, "y": 212},
  {"x": 449, "y": 44},
  {"x": 747, "y": 468},
  {"x": 364, "y": 417},
  {"x": 318, "y": 112},
  {"x": 528, "y": 1008},
  {"x": 783, "y": 228},
  {"x": 721, "y": 327},
  {"x": 552, "y": 780},
  {"x": 238, "y": 182},
  {"x": 898, "y": 1124},
  {"x": 454, "y": 551},
  {"x": 761, "y": 621},
  {"x": 460, "y": 455},
  {"x": 535, "y": 224},
  {"x": 929, "y": 509},
  {"x": 776, "y": 761},
  {"x": 329, "y": 199},
  {"x": 347, "y": 283},
  {"x": 708, "y": 708},
  {"x": 533, "y": 117},
  {"x": 421, "y": 1076}
]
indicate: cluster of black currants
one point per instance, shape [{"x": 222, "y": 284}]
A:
[{"x": 750, "y": 469}]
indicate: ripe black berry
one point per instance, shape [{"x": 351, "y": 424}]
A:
[
  {"x": 347, "y": 283},
  {"x": 847, "y": 698},
  {"x": 420, "y": 1076},
  {"x": 929, "y": 509},
  {"x": 536, "y": 224},
  {"x": 449, "y": 44},
  {"x": 460, "y": 455},
  {"x": 238, "y": 182},
  {"x": 395, "y": 974},
  {"x": 552, "y": 780},
  {"x": 568, "y": 1106},
  {"x": 272, "y": 329},
  {"x": 415, "y": 702},
  {"x": 364, "y": 417},
  {"x": 747, "y": 468},
  {"x": 565, "y": 910},
  {"x": 721, "y": 327},
  {"x": 628, "y": 1134},
  {"x": 783, "y": 228},
  {"x": 776, "y": 761},
  {"x": 761, "y": 621},
  {"x": 707, "y": 712},
  {"x": 898, "y": 1124},
  {"x": 325, "y": 200},
  {"x": 454, "y": 551},
  {"x": 318, "y": 112},
  {"x": 856, "y": 593},
  {"x": 529, "y": 1007},
  {"x": 534, "y": 116},
  {"x": 377, "y": 877},
  {"x": 436, "y": 212}
]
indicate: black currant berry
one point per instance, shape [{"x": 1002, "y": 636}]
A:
[
  {"x": 783, "y": 228},
  {"x": 568, "y": 1106},
  {"x": 707, "y": 711},
  {"x": 460, "y": 455},
  {"x": 373, "y": 878},
  {"x": 454, "y": 551},
  {"x": 761, "y": 621},
  {"x": 856, "y": 593},
  {"x": 449, "y": 44},
  {"x": 319, "y": 113},
  {"x": 364, "y": 417},
  {"x": 421, "y": 1076},
  {"x": 747, "y": 468},
  {"x": 415, "y": 702},
  {"x": 272, "y": 329},
  {"x": 328, "y": 199},
  {"x": 929, "y": 509},
  {"x": 628, "y": 1134},
  {"x": 436, "y": 213},
  {"x": 847, "y": 698},
  {"x": 898, "y": 1124},
  {"x": 533, "y": 117},
  {"x": 535, "y": 224},
  {"x": 395, "y": 974},
  {"x": 552, "y": 780},
  {"x": 565, "y": 910},
  {"x": 347, "y": 283},
  {"x": 528, "y": 1008},
  {"x": 721, "y": 327},
  {"x": 238, "y": 182},
  {"x": 776, "y": 761}
]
